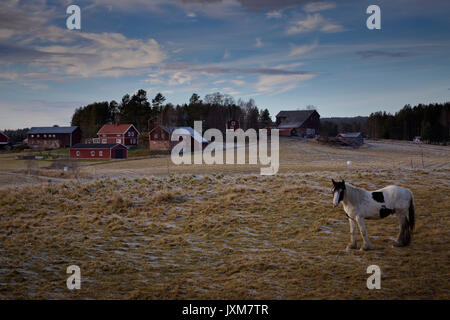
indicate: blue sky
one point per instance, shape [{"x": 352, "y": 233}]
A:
[{"x": 284, "y": 54}]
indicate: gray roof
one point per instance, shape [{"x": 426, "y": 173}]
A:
[
  {"x": 350, "y": 135},
  {"x": 194, "y": 134},
  {"x": 294, "y": 118},
  {"x": 51, "y": 130}
]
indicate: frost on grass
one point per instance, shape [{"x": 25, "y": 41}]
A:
[
  {"x": 209, "y": 236},
  {"x": 142, "y": 229}
]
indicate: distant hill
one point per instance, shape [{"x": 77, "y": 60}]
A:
[{"x": 338, "y": 120}]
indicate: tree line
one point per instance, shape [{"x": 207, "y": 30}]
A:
[
  {"x": 431, "y": 122},
  {"x": 214, "y": 111}
]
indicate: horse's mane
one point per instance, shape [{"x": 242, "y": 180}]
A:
[{"x": 353, "y": 194}]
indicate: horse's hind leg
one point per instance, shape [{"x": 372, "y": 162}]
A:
[
  {"x": 404, "y": 235},
  {"x": 353, "y": 234},
  {"x": 363, "y": 231}
]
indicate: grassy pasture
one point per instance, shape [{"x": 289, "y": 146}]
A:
[{"x": 146, "y": 229}]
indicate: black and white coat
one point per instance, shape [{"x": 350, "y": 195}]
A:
[{"x": 360, "y": 204}]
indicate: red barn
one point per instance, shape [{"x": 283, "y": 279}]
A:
[
  {"x": 3, "y": 139},
  {"x": 125, "y": 134},
  {"x": 98, "y": 151},
  {"x": 159, "y": 137},
  {"x": 53, "y": 137},
  {"x": 298, "y": 123}
]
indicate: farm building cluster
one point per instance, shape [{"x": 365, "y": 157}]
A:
[{"x": 114, "y": 140}]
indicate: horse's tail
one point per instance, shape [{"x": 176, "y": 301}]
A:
[
  {"x": 411, "y": 220},
  {"x": 407, "y": 226}
]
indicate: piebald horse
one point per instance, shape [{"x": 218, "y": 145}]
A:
[{"x": 360, "y": 204}]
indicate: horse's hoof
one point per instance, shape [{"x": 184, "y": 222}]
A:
[
  {"x": 398, "y": 244},
  {"x": 366, "y": 248},
  {"x": 351, "y": 246}
]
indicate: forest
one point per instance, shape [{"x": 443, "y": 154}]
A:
[
  {"x": 430, "y": 122},
  {"x": 214, "y": 110}
]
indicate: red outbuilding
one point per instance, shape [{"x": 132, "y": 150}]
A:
[
  {"x": 98, "y": 151},
  {"x": 125, "y": 134},
  {"x": 304, "y": 123},
  {"x": 160, "y": 137},
  {"x": 3, "y": 138}
]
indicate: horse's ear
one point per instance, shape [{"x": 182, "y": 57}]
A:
[
  {"x": 343, "y": 182},
  {"x": 332, "y": 180}
]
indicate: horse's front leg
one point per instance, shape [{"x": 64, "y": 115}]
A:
[
  {"x": 353, "y": 234},
  {"x": 363, "y": 231}
]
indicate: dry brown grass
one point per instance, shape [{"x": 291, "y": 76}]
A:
[{"x": 228, "y": 234}]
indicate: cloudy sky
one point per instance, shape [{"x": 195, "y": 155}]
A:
[{"x": 286, "y": 54}]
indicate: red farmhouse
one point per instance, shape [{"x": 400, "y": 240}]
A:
[
  {"x": 98, "y": 151},
  {"x": 125, "y": 134}
]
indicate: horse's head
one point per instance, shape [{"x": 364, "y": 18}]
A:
[{"x": 338, "y": 192}]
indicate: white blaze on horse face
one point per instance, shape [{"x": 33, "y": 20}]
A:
[{"x": 336, "y": 197}]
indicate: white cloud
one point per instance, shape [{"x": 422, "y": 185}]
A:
[
  {"x": 179, "y": 78},
  {"x": 319, "y": 6},
  {"x": 215, "y": 9},
  {"x": 32, "y": 80},
  {"x": 275, "y": 84},
  {"x": 332, "y": 28},
  {"x": 313, "y": 22},
  {"x": 302, "y": 49},
  {"x": 275, "y": 14},
  {"x": 238, "y": 82},
  {"x": 230, "y": 91},
  {"x": 41, "y": 45},
  {"x": 103, "y": 54},
  {"x": 289, "y": 65}
]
